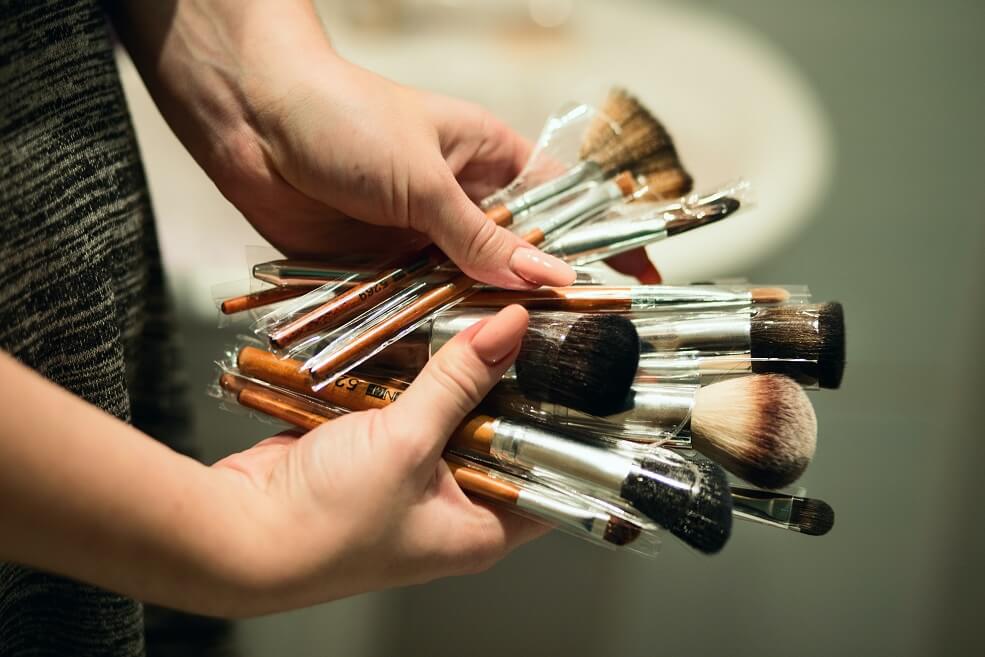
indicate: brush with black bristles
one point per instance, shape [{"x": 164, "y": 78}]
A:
[
  {"x": 619, "y": 137},
  {"x": 803, "y": 341},
  {"x": 691, "y": 500},
  {"x": 805, "y": 515},
  {"x": 586, "y": 362},
  {"x": 761, "y": 428}
]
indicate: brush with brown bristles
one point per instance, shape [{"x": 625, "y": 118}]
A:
[
  {"x": 761, "y": 428},
  {"x": 805, "y": 515}
]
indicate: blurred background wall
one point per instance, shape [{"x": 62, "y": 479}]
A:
[{"x": 860, "y": 125}]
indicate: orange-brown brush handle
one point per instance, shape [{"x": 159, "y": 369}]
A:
[
  {"x": 348, "y": 391},
  {"x": 351, "y": 392},
  {"x": 429, "y": 301},
  {"x": 290, "y": 410},
  {"x": 261, "y": 298},
  {"x": 576, "y": 298},
  {"x": 368, "y": 294}
]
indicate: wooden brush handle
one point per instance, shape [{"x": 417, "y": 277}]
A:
[
  {"x": 431, "y": 300},
  {"x": 368, "y": 294},
  {"x": 292, "y": 411},
  {"x": 576, "y": 298},
  {"x": 261, "y": 298},
  {"x": 356, "y": 394}
]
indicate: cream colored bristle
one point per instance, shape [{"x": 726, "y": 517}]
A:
[{"x": 761, "y": 427}]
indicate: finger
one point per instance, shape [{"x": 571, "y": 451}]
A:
[
  {"x": 636, "y": 263},
  {"x": 454, "y": 381},
  {"x": 485, "y": 251}
]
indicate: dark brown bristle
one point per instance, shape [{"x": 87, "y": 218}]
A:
[
  {"x": 668, "y": 184},
  {"x": 812, "y": 516},
  {"x": 761, "y": 428},
  {"x": 803, "y": 341},
  {"x": 618, "y": 109},
  {"x": 691, "y": 500},
  {"x": 585, "y": 362},
  {"x": 619, "y": 531}
]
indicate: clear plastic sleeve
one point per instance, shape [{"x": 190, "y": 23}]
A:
[{"x": 576, "y": 513}]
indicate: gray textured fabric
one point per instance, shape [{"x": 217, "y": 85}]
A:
[{"x": 81, "y": 290}]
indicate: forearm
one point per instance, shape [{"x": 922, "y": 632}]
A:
[
  {"x": 85, "y": 495},
  {"x": 214, "y": 66}
]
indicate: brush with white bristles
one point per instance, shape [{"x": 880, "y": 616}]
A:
[{"x": 761, "y": 428}]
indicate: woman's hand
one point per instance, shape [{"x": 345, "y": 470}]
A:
[
  {"x": 365, "y": 501},
  {"x": 362, "y": 503},
  {"x": 304, "y": 143}
]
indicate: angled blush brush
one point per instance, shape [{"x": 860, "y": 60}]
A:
[{"x": 576, "y": 515}]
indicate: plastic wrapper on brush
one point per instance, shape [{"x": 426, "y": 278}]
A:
[
  {"x": 640, "y": 224},
  {"x": 569, "y": 510},
  {"x": 611, "y": 474},
  {"x": 761, "y": 428},
  {"x": 693, "y": 368},
  {"x": 587, "y": 362},
  {"x": 581, "y": 144},
  {"x": 649, "y": 299},
  {"x": 803, "y": 341},
  {"x": 576, "y": 513}
]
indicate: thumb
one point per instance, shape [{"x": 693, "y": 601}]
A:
[
  {"x": 486, "y": 251},
  {"x": 454, "y": 381}
]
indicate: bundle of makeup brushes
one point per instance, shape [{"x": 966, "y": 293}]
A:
[{"x": 628, "y": 409}]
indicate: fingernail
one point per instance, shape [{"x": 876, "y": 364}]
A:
[
  {"x": 499, "y": 336},
  {"x": 539, "y": 268}
]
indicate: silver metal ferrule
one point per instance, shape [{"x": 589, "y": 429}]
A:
[
  {"x": 578, "y": 211},
  {"x": 653, "y": 297},
  {"x": 585, "y": 170},
  {"x": 563, "y": 513},
  {"x": 598, "y": 241},
  {"x": 678, "y": 368},
  {"x": 447, "y": 325},
  {"x": 721, "y": 332},
  {"x": 531, "y": 447}
]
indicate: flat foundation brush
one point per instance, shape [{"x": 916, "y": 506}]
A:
[
  {"x": 805, "y": 515},
  {"x": 691, "y": 500},
  {"x": 576, "y": 515}
]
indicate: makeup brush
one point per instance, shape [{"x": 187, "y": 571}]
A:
[
  {"x": 638, "y": 298},
  {"x": 690, "y": 500},
  {"x": 577, "y": 515},
  {"x": 262, "y": 298},
  {"x": 601, "y": 240},
  {"x": 622, "y": 134},
  {"x": 803, "y": 341},
  {"x": 805, "y": 515},
  {"x": 586, "y": 362},
  {"x": 761, "y": 428}
]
